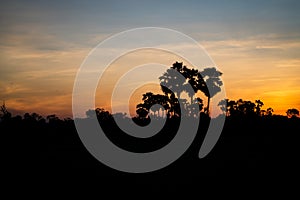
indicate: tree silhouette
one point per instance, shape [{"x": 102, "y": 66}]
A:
[
  {"x": 197, "y": 102},
  {"x": 4, "y": 115},
  {"x": 244, "y": 108},
  {"x": 180, "y": 78},
  {"x": 259, "y": 104},
  {"x": 150, "y": 99},
  {"x": 35, "y": 116},
  {"x": 90, "y": 113},
  {"x": 52, "y": 119},
  {"x": 141, "y": 112},
  {"x": 231, "y": 108},
  {"x": 191, "y": 85},
  {"x": 100, "y": 113},
  {"x": 292, "y": 113},
  {"x": 270, "y": 111},
  {"x": 172, "y": 81},
  {"x": 209, "y": 78},
  {"x": 174, "y": 106},
  {"x": 223, "y": 104},
  {"x": 103, "y": 114}
]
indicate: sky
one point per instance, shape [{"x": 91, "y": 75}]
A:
[{"x": 256, "y": 44}]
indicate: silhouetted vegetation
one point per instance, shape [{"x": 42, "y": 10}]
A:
[
  {"x": 253, "y": 141},
  {"x": 292, "y": 113}
]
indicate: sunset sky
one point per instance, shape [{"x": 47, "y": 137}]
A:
[{"x": 256, "y": 44}]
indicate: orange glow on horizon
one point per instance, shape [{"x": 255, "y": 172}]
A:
[{"x": 272, "y": 80}]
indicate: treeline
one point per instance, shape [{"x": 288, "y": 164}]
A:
[
  {"x": 249, "y": 145},
  {"x": 232, "y": 109}
]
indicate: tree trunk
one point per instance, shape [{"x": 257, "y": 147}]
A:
[{"x": 208, "y": 104}]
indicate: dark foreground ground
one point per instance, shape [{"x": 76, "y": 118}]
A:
[{"x": 258, "y": 148}]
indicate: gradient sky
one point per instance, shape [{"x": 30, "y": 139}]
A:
[{"x": 256, "y": 44}]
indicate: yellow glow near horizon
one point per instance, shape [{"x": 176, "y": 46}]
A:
[{"x": 249, "y": 73}]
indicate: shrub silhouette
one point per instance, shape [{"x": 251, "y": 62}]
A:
[{"x": 292, "y": 113}]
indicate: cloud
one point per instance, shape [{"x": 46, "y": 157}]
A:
[
  {"x": 291, "y": 63},
  {"x": 266, "y": 80},
  {"x": 250, "y": 46}
]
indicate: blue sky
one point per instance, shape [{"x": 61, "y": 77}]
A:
[{"x": 69, "y": 19}]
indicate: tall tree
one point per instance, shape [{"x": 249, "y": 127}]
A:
[
  {"x": 191, "y": 85},
  {"x": 172, "y": 81},
  {"x": 209, "y": 83}
]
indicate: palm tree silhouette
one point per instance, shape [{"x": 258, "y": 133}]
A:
[
  {"x": 172, "y": 81},
  {"x": 191, "y": 85},
  {"x": 209, "y": 82},
  {"x": 180, "y": 78}
]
